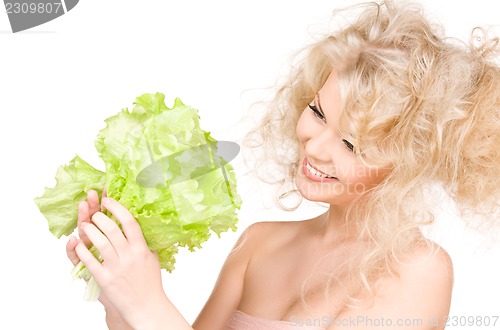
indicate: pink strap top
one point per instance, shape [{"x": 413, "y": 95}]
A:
[{"x": 242, "y": 321}]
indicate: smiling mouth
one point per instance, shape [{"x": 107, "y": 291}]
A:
[{"x": 315, "y": 172}]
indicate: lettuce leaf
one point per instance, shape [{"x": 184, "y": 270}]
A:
[
  {"x": 163, "y": 168},
  {"x": 60, "y": 204}
]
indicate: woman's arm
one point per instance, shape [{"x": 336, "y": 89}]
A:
[{"x": 228, "y": 289}]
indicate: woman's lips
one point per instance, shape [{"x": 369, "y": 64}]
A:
[{"x": 314, "y": 174}]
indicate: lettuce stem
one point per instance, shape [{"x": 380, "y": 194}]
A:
[{"x": 92, "y": 291}]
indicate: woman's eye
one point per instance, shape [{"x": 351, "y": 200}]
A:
[
  {"x": 348, "y": 145},
  {"x": 316, "y": 112}
]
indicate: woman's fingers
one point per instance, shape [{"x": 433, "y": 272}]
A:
[
  {"x": 83, "y": 216},
  {"x": 96, "y": 228},
  {"x": 101, "y": 243},
  {"x": 130, "y": 227},
  {"x": 86, "y": 209},
  {"x": 104, "y": 195},
  {"x": 109, "y": 228},
  {"x": 93, "y": 200},
  {"x": 70, "y": 250},
  {"x": 88, "y": 259}
]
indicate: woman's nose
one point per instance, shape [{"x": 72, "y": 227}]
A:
[{"x": 320, "y": 145}]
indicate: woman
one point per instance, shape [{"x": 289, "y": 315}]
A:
[{"x": 375, "y": 116}]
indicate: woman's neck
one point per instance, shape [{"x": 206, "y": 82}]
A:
[{"x": 333, "y": 227}]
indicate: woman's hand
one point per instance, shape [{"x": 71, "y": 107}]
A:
[
  {"x": 129, "y": 275},
  {"x": 86, "y": 210}
]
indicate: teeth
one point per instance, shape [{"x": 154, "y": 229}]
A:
[{"x": 315, "y": 172}]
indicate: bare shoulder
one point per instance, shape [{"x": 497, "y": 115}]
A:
[
  {"x": 268, "y": 235},
  {"x": 420, "y": 295},
  {"x": 426, "y": 277},
  {"x": 269, "y": 227},
  {"x": 429, "y": 261}
]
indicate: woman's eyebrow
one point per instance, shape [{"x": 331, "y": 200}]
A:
[{"x": 319, "y": 105}]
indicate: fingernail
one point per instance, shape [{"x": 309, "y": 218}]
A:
[{"x": 105, "y": 201}]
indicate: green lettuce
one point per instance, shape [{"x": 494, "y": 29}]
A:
[{"x": 163, "y": 168}]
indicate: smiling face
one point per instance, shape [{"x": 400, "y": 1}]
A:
[{"x": 329, "y": 170}]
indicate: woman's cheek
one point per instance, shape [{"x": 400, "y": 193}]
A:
[
  {"x": 353, "y": 173},
  {"x": 368, "y": 177}
]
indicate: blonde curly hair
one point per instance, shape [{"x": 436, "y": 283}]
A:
[{"x": 424, "y": 105}]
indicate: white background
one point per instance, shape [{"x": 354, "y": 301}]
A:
[{"x": 60, "y": 80}]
